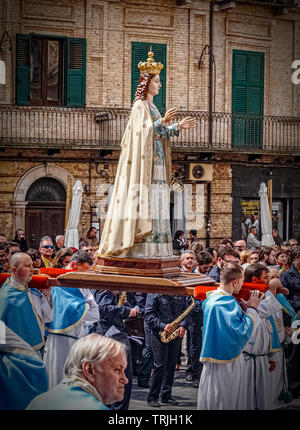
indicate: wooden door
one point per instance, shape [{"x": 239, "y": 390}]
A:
[{"x": 43, "y": 219}]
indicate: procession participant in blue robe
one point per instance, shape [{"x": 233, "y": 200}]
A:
[
  {"x": 75, "y": 311},
  {"x": 226, "y": 331},
  {"x": 22, "y": 373},
  {"x": 17, "y": 306},
  {"x": 264, "y": 343},
  {"x": 93, "y": 377}
]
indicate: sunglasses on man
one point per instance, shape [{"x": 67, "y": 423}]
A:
[{"x": 47, "y": 246}]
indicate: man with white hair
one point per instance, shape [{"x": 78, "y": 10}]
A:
[
  {"x": 59, "y": 244},
  {"x": 25, "y": 310},
  {"x": 93, "y": 377}
]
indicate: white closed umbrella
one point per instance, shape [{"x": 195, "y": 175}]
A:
[
  {"x": 265, "y": 217},
  {"x": 71, "y": 234}
]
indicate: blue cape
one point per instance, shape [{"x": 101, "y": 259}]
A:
[
  {"x": 66, "y": 396},
  {"x": 18, "y": 313},
  {"x": 22, "y": 373},
  {"x": 69, "y": 309},
  {"x": 226, "y": 329}
]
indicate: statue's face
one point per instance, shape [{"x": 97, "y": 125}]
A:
[{"x": 154, "y": 86}]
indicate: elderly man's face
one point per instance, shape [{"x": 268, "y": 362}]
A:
[
  {"x": 109, "y": 378},
  {"x": 24, "y": 270},
  {"x": 188, "y": 261},
  {"x": 60, "y": 242}
]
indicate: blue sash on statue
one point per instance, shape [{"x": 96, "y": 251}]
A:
[
  {"x": 69, "y": 309},
  {"x": 226, "y": 329},
  {"x": 18, "y": 313}
]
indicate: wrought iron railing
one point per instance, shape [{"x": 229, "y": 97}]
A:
[{"x": 104, "y": 127}]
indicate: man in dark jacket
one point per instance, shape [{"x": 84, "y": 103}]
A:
[
  {"x": 160, "y": 312},
  {"x": 291, "y": 279},
  {"x": 20, "y": 239},
  {"x": 226, "y": 254}
]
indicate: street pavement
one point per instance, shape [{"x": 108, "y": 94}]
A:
[{"x": 183, "y": 392}]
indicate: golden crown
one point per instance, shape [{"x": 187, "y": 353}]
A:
[{"x": 150, "y": 66}]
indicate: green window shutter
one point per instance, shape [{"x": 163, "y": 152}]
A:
[
  {"x": 22, "y": 69},
  {"x": 140, "y": 53},
  {"x": 247, "y": 98},
  {"x": 75, "y": 72}
]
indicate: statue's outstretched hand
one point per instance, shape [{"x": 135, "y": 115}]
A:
[
  {"x": 187, "y": 122},
  {"x": 169, "y": 115}
]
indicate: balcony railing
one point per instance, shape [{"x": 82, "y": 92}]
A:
[{"x": 49, "y": 127}]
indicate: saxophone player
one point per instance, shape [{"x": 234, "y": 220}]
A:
[{"x": 160, "y": 312}]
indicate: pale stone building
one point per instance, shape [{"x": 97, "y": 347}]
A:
[{"x": 70, "y": 77}]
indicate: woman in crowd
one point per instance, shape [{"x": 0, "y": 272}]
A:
[
  {"x": 62, "y": 258},
  {"x": 35, "y": 257}
]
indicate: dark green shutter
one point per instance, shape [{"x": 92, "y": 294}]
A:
[
  {"x": 23, "y": 69},
  {"x": 76, "y": 72},
  {"x": 247, "y": 98},
  {"x": 140, "y": 53}
]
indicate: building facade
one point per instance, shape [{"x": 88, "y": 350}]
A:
[{"x": 70, "y": 77}]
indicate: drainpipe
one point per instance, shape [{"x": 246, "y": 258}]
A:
[
  {"x": 210, "y": 111},
  {"x": 210, "y": 85}
]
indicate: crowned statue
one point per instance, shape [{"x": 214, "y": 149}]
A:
[{"x": 138, "y": 218}]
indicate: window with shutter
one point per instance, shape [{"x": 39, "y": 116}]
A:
[
  {"x": 140, "y": 53},
  {"x": 50, "y": 71},
  {"x": 76, "y": 72},
  {"x": 23, "y": 69},
  {"x": 247, "y": 98}
]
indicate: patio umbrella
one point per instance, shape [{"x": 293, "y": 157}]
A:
[
  {"x": 71, "y": 234},
  {"x": 265, "y": 217}
]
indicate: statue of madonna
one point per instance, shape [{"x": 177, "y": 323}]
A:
[{"x": 138, "y": 217}]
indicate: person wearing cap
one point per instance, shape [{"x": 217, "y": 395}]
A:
[{"x": 252, "y": 242}]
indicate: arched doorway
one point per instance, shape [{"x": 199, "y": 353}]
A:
[{"x": 45, "y": 210}]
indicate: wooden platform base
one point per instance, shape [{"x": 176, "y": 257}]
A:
[
  {"x": 183, "y": 285},
  {"x": 167, "y": 267}
]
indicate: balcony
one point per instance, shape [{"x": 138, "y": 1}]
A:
[{"x": 103, "y": 128}]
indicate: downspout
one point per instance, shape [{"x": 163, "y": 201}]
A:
[{"x": 210, "y": 111}]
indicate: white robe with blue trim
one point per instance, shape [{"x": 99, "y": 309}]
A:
[{"x": 223, "y": 385}]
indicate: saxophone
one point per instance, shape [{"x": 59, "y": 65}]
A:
[
  {"x": 166, "y": 337},
  {"x": 122, "y": 298}
]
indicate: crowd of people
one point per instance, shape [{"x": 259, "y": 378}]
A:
[{"x": 252, "y": 350}]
